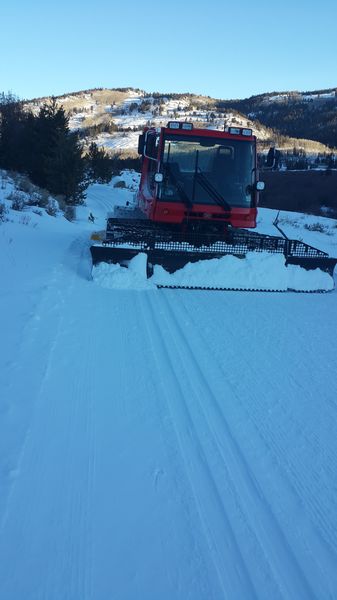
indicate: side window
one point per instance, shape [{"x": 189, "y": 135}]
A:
[
  {"x": 151, "y": 151},
  {"x": 152, "y": 171}
]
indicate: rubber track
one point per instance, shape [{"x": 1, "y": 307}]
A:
[{"x": 233, "y": 289}]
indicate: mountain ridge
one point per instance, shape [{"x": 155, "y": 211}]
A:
[{"x": 277, "y": 118}]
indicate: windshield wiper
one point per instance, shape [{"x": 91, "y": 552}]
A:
[
  {"x": 186, "y": 199},
  {"x": 212, "y": 191}
]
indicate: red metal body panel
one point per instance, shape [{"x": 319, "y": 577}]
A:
[
  {"x": 214, "y": 133},
  {"x": 177, "y": 212}
]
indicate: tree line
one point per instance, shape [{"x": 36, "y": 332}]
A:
[
  {"x": 294, "y": 117},
  {"x": 42, "y": 147}
]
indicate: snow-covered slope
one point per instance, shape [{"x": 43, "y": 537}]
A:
[
  {"x": 112, "y": 117},
  {"x": 161, "y": 444},
  {"x": 131, "y": 110}
]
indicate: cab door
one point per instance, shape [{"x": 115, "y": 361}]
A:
[{"x": 148, "y": 186}]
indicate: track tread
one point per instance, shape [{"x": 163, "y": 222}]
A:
[{"x": 233, "y": 289}]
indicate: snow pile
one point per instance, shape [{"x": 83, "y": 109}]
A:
[
  {"x": 302, "y": 280},
  {"x": 258, "y": 271},
  {"x": 122, "y": 278}
]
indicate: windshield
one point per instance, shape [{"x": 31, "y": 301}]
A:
[{"x": 203, "y": 170}]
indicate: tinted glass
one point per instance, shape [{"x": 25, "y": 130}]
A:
[{"x": 201, "y": 169}]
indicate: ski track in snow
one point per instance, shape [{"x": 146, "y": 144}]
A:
[
  {"x": 168, "y": 449},
  {"x": 307, "y": 483},
  {"x": 35, "y": 467},
  {"x": 236, "y": 479},
  {"x": 48, "y": 545},
  {"x": 273, "y": 541},
  {"x": 220, "y": 538}
]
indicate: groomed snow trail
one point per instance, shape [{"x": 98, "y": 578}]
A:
[{"x": 179, "y": 445}]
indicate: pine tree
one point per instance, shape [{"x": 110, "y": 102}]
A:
[
  {"x": 100, "y": 166},
  {"x": 57, "y": 162},
  {"x": 13, "y": 121},
  {"x": 43, "y": 147},
  {"x": 65, "y": 169}
]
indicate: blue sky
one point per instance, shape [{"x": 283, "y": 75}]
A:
[{"x": 219, "y": 48}]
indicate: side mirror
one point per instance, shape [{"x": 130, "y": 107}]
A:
[
  {"x": 158, "y": 177},
  {"x": 273, "y": 159},
  {"x": 141, "y": 141},
  {"x": 270, "y": 162}
]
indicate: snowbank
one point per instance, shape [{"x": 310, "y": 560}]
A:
[
  {"x": 118, "y": 277},
  {"x": 258, "y": 271}
]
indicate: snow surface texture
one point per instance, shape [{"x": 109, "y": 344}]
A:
[{"x": 169, "y": 445}]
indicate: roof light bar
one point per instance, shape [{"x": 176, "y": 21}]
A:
[
  {"x": 173, "y": 125},
  {"x": 239, "y": 131},
  {"x": 179, "y": 125}
]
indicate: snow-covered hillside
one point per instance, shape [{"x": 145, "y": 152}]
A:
[
  {"x": 130, "y": 111},
  {"x": 298, "y": 96},
  {"x": 113, "y": 118},
  {"x": 161, "y": 443}
]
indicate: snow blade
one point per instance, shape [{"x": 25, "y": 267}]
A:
[
  {"x": 110, "y": 254},
  {"x": 176, "y": 251},
  {"x": 324, "y": 263}
]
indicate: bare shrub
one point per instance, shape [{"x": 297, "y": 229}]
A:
[
  {"x": 25, "y": 220},
  {"x": 15, "y": 177},
  {"x": 42, "y": 198},
  {"x": 61, "y": 202},
  {"x": 3, "y": 212},
  {"x": 52, "y": 207},
  {"x": 4, "y": 180},
  {"x": 18, "y": 200},
  {"x": 316, "y": 227},
  {"x": 22, "y": 183},
  {"x": 33, "y": 198},
  {"x": 289, "y": 221}
]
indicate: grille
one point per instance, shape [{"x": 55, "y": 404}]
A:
[{"x": 145, "y": 235}]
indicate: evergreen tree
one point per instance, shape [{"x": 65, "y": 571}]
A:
[
  {"x": 13, "y": 139},
  {"x": 57, "y": 162},
  {"x": 65, "y": 169},
  {"x": 100, "y": 166}
]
